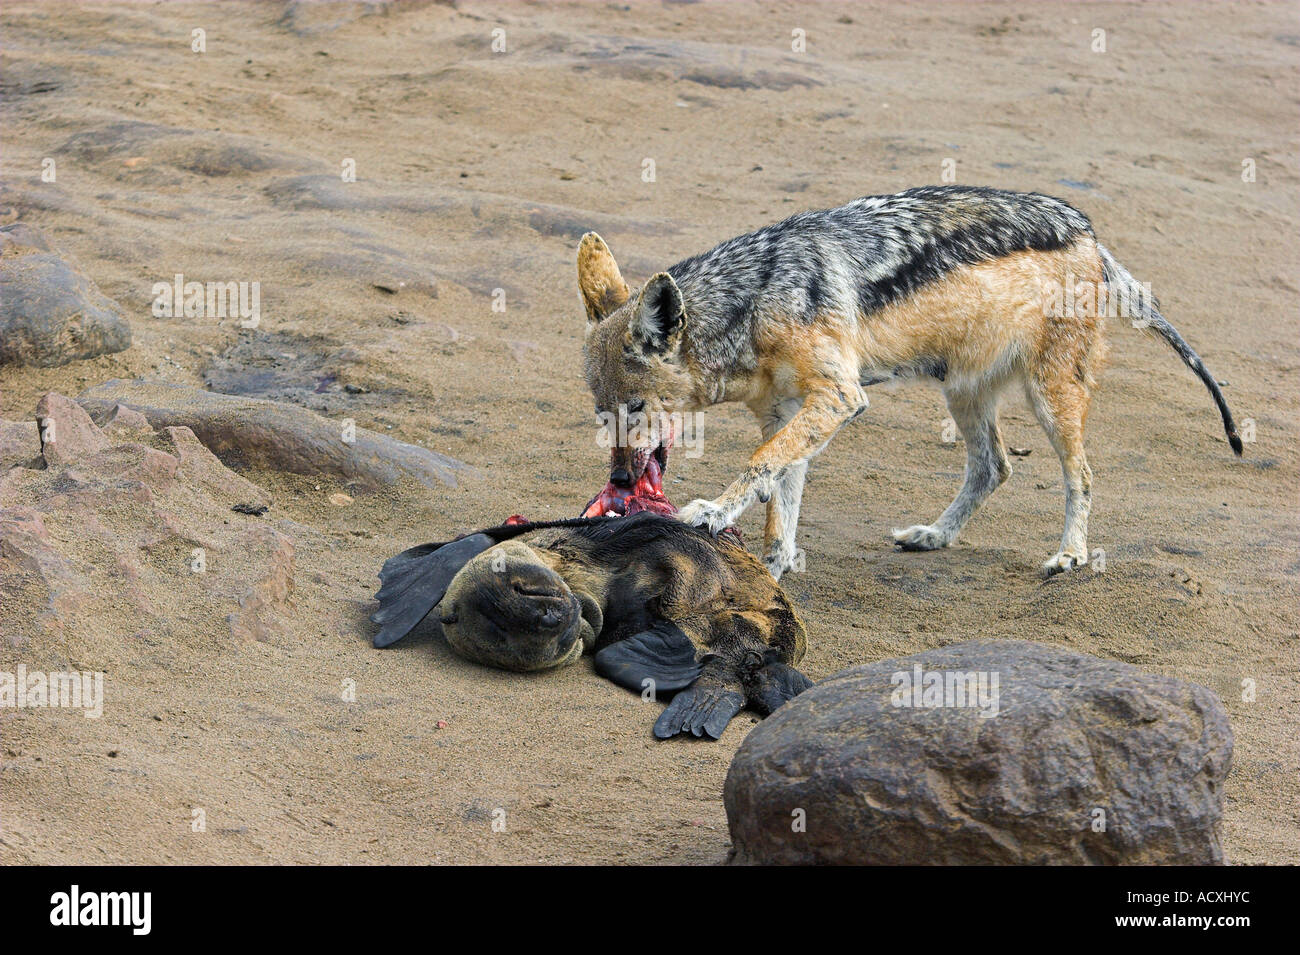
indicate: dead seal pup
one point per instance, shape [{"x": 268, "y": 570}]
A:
[{"x": 664, "y": 606}]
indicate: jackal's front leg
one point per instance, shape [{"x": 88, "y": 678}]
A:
[{"x": 824, "y": 412}]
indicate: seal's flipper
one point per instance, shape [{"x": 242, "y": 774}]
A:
[
  {"x": 700, "y": 710},
  {"x": 774, "y": 685},
  {"x": 415, "y": 580},
  {"x": 662, "y": 654}
]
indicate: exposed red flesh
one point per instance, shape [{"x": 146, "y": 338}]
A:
[{"x": 647, "y": 494}]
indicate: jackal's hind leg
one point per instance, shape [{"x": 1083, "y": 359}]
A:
[
  {"x": 986, "y": 468},
  {"x": 1061, "y": 407}
]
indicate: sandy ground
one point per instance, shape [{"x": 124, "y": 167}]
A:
[{"x": 477, "y": 171}]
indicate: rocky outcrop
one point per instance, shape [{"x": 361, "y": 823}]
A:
[
  {"x": 1046, "y": 757},
  {"x": 252, "y": 431},
  {"x": 116, "y": 538},
  {"x": 51, "y": 313}
]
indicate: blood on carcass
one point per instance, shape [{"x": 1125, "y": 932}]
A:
[{"x": 647, "y": 494}]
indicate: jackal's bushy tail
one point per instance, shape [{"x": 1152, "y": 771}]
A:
[{"x": 1144, "y": 310}]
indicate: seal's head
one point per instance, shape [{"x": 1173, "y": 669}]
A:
[{"x": 507, "y": 608}]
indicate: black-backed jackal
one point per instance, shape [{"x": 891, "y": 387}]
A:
[{"x": 977, "y": 289}]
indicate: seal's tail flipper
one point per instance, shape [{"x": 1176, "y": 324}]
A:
[
  {"x": 664, "y": 655},
  {"x": 413, "y": 582}
]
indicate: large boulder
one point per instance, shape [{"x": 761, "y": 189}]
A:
[
  {"x": 271, "y": 434},
  {"x": 51, "y": 313},
  {"x": 1054, "y": 758}
]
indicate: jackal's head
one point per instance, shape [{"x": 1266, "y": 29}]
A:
[{"x": 633, "y": 360}]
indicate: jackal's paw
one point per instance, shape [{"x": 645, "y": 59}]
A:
[
  {"x": 1063, "y": 561},
  {"x": 706, "y": 514},
  {"x": 921, "y": 537},
  {"x": 782, "y": 557}
]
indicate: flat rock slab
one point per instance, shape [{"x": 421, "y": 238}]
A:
[
  {"x": 254, "y": 432},
  {"x": 51, "y": 313},
  {"x": 1063, "y": 758}
]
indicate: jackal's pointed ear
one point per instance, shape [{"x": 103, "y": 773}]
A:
[
  {"x": 660, "y": 316},
  {"x": 599, "y": 279}
]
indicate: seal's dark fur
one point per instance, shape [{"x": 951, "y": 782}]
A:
[{"x": 679, "y": 612}]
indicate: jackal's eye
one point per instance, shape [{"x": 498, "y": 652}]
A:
[{"x": 635, "y": 406}]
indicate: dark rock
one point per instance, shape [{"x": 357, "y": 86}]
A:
[
  {"x": 254, "y": 432},
  {"x": 19, "y": 239},
  {"x": 1086, "y": 761},
  {"x": 50, "y": 313},
  {"x": 309, "y": 19},
  {"x": 20, "y": 444},
  {"x": 316, "y": 373},
  {"x": 280, "y": 367},
  {"x": 331, "y": 193},
  {"x": 140, "y": 147},
  {"x": 124, "y": 138},
  {"x": 727, "y": 78},
  {"x": 29, "y": 79},
  {"x": 224, "y": 159},
  {"x": 652, "y": 60}
]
